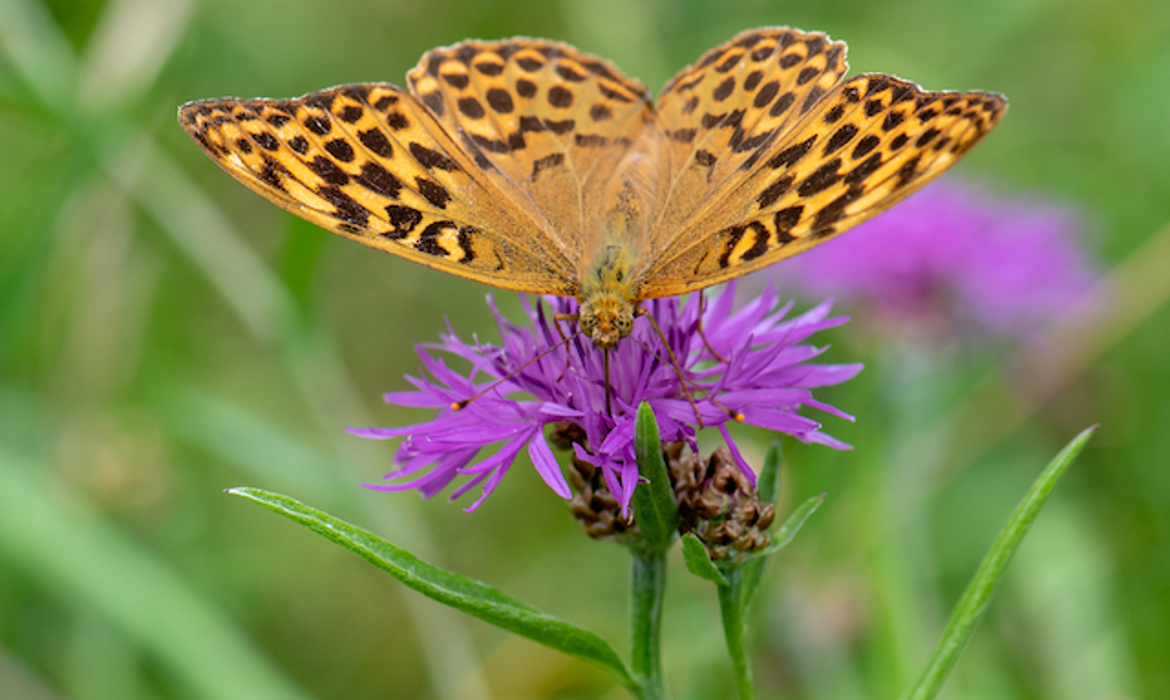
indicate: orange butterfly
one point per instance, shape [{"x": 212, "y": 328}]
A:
[{"x": 531, "y": 166}]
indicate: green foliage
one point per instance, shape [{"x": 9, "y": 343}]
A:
[
  {"x": 698, "y": 560},
  {"x": 134, "y": 275},
  {"x": 654, "y": 507},
  {"x": 973, "y": 604},
  {"x": 459, "y": 592}
]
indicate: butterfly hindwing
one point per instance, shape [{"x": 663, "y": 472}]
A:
[
  {"x": 855, "y": 150},
  {"x": 547, "y": 123},
  {"x": 369, "y": 162}
]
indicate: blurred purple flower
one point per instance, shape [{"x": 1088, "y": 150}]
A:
[
  {"x": 766, "y": 378},
  {"x": 953, "y": 252}
]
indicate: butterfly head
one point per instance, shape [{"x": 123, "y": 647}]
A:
[
  {"x": 606, "y": 319},
  {"x": 608, "y": 297}
]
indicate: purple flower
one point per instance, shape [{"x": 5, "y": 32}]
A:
[
  {"x": 956, "y": 254},
  {"x": 767, "y": 376}
]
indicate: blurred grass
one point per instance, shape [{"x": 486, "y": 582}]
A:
[{"x": 165, "y": 333}]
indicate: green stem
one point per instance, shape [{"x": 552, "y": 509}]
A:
[
  {"x": 648, "y": 583},
  {"x": 735, "y": 630}
]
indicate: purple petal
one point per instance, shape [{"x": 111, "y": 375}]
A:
[{"x": 546, "y": 465}]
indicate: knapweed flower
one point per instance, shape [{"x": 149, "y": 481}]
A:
[
  {"x": 760, "y": 374},
  {"x": 955, "y": 256}
]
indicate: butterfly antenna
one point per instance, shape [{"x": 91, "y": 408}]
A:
[
  {"x": 731, "y": 412},
  {"x": 707, "y": 343},
  {"x": 674, "y": 363},
  {"x": 460, "y": 405}
]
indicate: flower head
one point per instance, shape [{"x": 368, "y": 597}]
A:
[
  {"x": 954, "y": 254},
  {"x": 535, "y": 378}
]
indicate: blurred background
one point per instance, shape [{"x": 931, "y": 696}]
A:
[{"x": 165, "y": 333}]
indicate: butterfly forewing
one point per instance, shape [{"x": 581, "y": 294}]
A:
[
  {"x": 851, "y": 151},
  {"x": 544, "y": 121},
  {"x": 722, "y": 114},
  {"x": 370, "y": 163}
]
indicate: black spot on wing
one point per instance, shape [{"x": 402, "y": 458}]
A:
[
  {"x": 318, "y": 125},
  {"x": 792, "y": 155},
  {"x": 377, "y": 142},
  {"x": 299, "y": 145},
  {"x": 273, "y": 173},
  {"x": 773, "y": 191},
  {"x": 433, "y": 192},
  {"x": 864, "y": 170},
  {"x": 378, "y": 180},
  {"x": 550, "y": 161},
  {"x": 781, "y": 105},
  {"x": 705, "y": 158},
  {"x": 865, "y": 145},
  {"x": 759, "y": 245},
  {"x": 839, "y": 138},
  {"x": 428, "y": 240},
  {"x": 403, "y": 219},
  {"x": 466, "y": 236},
  {"x": 458, "y": 81},
  {"x": 430, "y": 159},
  {"x": 266, "y": 140},
  {"x": 328, "y": 171},
  {"x": 822, "y": 178},
  {"x": 347, "y": 209},
  {"x": 340, "y": 149},
  {"x": 500, "y": 101},
  {"x": 833, "y": 211},
  {"x": 470, "y": 108},
  {"x": 784, "y": 220}
]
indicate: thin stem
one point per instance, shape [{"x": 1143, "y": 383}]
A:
[
  {"x": 647, "y": 585},
  {"x": 734, "y": 630}
]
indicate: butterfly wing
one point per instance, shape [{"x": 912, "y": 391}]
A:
[
  {"x": 548, "y": 124},
  {"x": 371, "y": 163},
  {"x": 785, "y": 155}
]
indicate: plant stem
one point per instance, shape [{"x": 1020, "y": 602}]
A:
[
  {"x": 647, "y": 585},
  {"x": 734, "y": 630}
]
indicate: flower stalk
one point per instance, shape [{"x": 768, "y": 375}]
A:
[
  {"x": 734, "y": 614},
  {"x": 647, "y": 587}
]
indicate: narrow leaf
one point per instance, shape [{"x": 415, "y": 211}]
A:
[
  {"x": 754, "y": 567},
  {"x": 470, "y": 596},
  {"x": 654, "y": 506},
  {"x": 792, "y": 526},
  {"x": 769, "y": 481},
  {"x": 769, "y": 492},
  {"x": 698, "y": 561},
  {"x": 973, "y": 603}
]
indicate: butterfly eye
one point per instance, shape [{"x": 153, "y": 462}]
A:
[
  {"x": 587, "y": 321},
  {"x": 625, "y": 324}
]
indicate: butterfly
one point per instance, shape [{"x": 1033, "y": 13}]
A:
[{"x": 531, "y": 166}]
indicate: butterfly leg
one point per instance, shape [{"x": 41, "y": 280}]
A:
[
  {"x": 460, "y": 405},
  {"x": 557, "y": 318},
  {"x": 674, "y": 362},
  {"x": 707, "y": 343}
]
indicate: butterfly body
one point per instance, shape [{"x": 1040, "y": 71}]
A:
[
  {"x": 608, "y": 297},
  {"x": 528, "y": 165}
]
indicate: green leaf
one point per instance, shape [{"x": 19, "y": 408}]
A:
[
  {"x": 792, "y": 526},
  {"x": 655, "y": 509},
  {"x": 768, "y": 483},
  {"x": 698, "y": 560},
  {"x": 973, "y": 603},
  {"x": 753, "y": 568},
  {"x": 768, "y": 486},
  {"x": 472, "y": 597}
]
